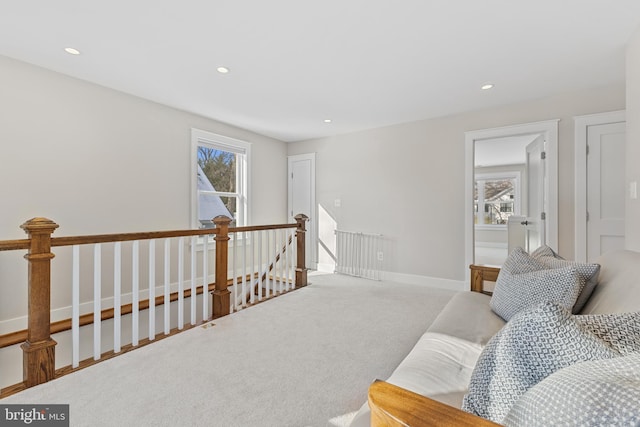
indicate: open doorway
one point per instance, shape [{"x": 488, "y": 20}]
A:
[
  {"x": 302, "y": 200},
  {"x": 499, "y": 185}
]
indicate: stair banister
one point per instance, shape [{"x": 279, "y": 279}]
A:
[
  {"x": 301, "y": 269},
  {"x": 221, "y": 295},
  {"x": 39, "y": 349}
]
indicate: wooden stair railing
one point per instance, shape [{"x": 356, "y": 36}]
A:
[{"x": 38, "y": 346}]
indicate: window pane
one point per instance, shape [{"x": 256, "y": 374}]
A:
[
  {"x": 499, "y": 200},
  {"x": 211, "y": 206},
  {"x": 231, "y": 204},
  {"x": 219, "y": 167}
]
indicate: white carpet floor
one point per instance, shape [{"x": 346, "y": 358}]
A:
[{"x": 303, "y": 359}]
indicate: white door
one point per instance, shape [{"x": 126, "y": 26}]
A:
[
  {"x": 302, "y": 194},
  {"x": 605, "y": 188},
  {"x": 535, "y": 225}
]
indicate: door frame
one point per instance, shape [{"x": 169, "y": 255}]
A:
[
  {"x": 532, "y": 149},
  {"x": 581, "y": 126},
  {"x": 312, "y": 226},
  {"x": 550, "y": 130}
]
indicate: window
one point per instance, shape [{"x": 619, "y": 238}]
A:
[
  {"x": 496, "y": 198},
  {"x": 220, "y": 179}
]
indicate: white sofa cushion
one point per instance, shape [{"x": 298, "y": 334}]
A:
[
  {"x": 437, "y": 366},
  {"x": 468, "y": 316}
]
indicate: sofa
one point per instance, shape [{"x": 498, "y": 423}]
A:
[{"x": 442, "y": 364}]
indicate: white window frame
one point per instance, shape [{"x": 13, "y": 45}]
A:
[
  {"x": 243, "y": 172},
  {"x": 517, "y": 204}
]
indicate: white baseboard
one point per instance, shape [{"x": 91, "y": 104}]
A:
[{"x": 434, "y": 282}]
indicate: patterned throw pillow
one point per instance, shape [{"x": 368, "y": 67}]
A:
[
  {"x": 534, "y": 344},
  {"x": 596, "y": 393},
  {"x": 588, "y": 272},
  {"x": 524, "y": 282},
  {"x": 545, "y": 250},
  {"x": 620, "y": 330}
]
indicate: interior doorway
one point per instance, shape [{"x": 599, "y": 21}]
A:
[
  {"x": 600, "y": 184},
  {"x": 546, "y": 131},
  {"x": 302, "y": 199}
]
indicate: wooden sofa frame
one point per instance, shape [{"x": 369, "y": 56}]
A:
[{"x": 393, "y": 406}]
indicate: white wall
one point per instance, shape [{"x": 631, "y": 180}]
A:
[
  {"x": 407, "y": 181},
  {"x": 99, "y": 161},
  {"x": 632, "y": 238}
]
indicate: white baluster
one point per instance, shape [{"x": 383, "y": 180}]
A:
[
  {"x": 117, "y": 292},
  {"x": 234, "y": 304},
  {"x": 194, "y": 242},
  {"x": 266, "y": 268},
  {"x": 287, "y": 253},
  {"x": 294, "y": 256},
  {"x": 281, "y": 262},
  {"x": 274, "y": 272},
  {"x": 252, "y": 298},
  {"x": 152, "y": 290},
  {"x": 75, "y": 308},
  {"x": 205, "y": 279},
  {"x": 244, "y": 270},
  {"x": 282, "y": 247},
  {"x": 167, "y": 286},
  {"x": 97, "y": 300},
  {"x": 135, "y": 285},
  {"x": 260, "y": 267},
  {"x": 292, "y": 259},
  {"x": 181, "y": 283}
]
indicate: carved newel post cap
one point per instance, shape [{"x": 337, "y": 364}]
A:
[
  {"x": 222, "y": 220},
  {"x": 39, "y": 224},
  {"x": 301, "y": 217}
]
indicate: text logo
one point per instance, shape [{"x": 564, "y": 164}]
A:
[{"x": 34, "y": 415}]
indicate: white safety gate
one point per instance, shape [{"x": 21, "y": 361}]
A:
[{"x": 359, "y": 254}]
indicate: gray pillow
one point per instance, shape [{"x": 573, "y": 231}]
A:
[
  {"x": 534, "y": 344},
  {"x": 588, "y": 272},
  {"x": 545, "y": 250},
  {"x": 525, "y": 282},
  {"x": 596, "y": 393},
  {"x": 620, "y": 330}
]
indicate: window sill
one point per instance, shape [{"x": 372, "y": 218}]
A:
[{"x": 491, "y": 227}]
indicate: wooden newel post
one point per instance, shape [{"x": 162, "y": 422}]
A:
[
  {"x": 221, "y": 295},
  {"x": 301, "y": 269},
  {"x": 38, "y": 351}
]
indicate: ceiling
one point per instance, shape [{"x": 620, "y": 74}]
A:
[{"x": 293, "y": 63}]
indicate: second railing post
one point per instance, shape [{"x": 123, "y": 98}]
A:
[
  {"x": 221, "y": 295},
  {"x": 301, "y": 269}
]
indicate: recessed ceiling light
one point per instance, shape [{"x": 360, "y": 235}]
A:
[
  {"x": 72, "y": 51},
  {"x": 487, "y": 86},
  {"x": 222, "y": 70},
  {"x": 327, "y": 120}
]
